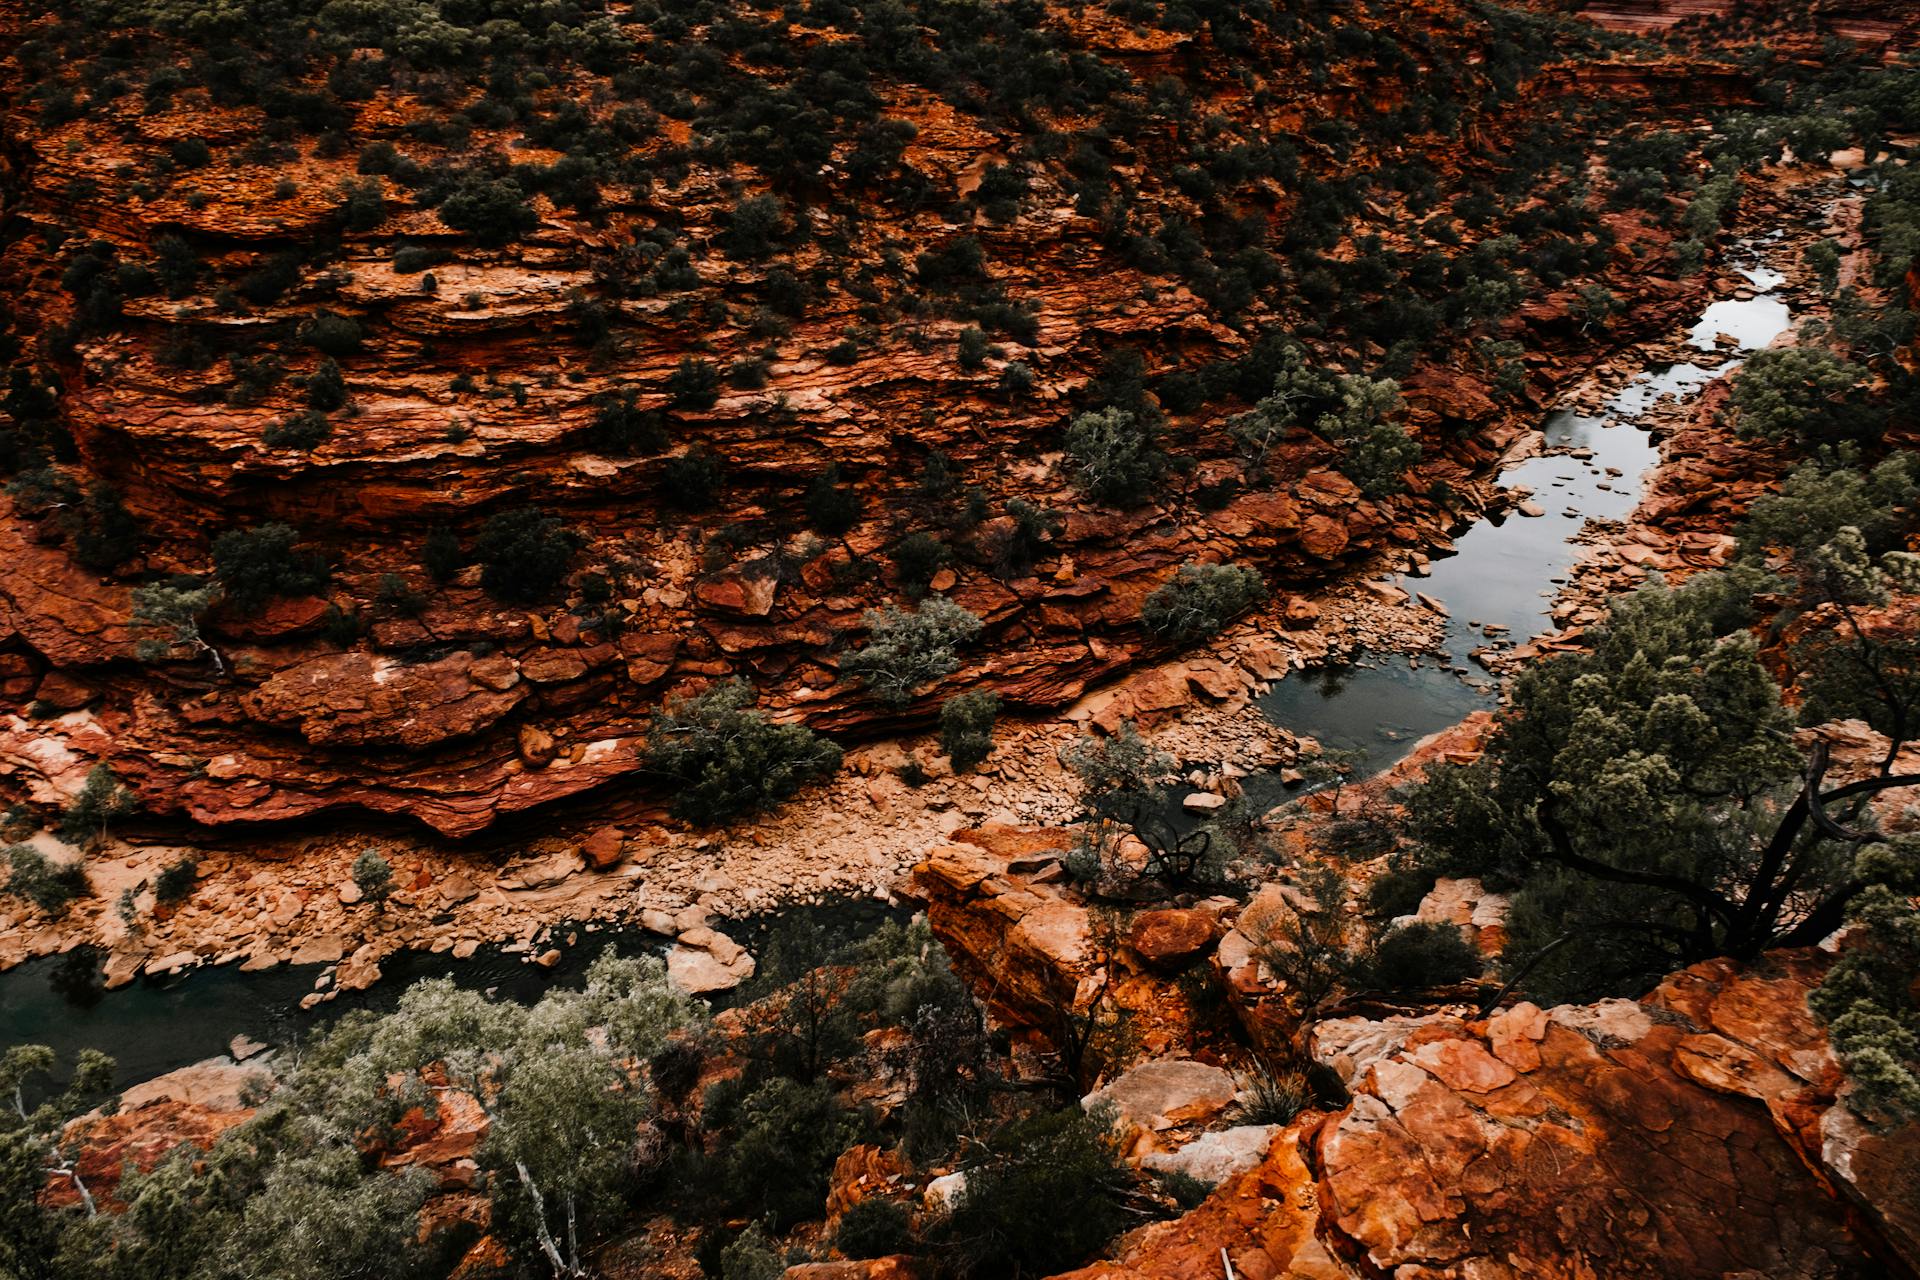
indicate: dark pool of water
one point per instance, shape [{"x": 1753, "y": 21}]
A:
[
  {"x": 154, "y": 1025},
  {"x": 1504, "y": 573}
]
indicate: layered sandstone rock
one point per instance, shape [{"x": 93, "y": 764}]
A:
[
  {"x": 1699, "y": 1132},
  {"x": 445, "y": 707}
]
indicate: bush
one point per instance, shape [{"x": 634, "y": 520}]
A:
[
  {"x": 692, "y": 480},
  {"x": 906, "y": 651},
  {"x": 752, "y": 227},
  {"x": 1378, "y": 450},
  {"x": 525, "y": 555},
  {"x": 1032, "y": 526},
  {"x": 619, "y": 427},
  {"x": 1047, "y": 1198},
  {"x": 302, "y": 431},
  {"x": 917, "y": 557},
  {"x": 832, "y": 507},
  {"x": 373, "y": 874},
  {"x": 966, "y": 727},
  {"x": 1114, "y": 456},
  {"x": 1200, "y": 600},
  {"x": 364, "y": 208},
  {"x": 256, "y": 565},
  {"x": 190, "y": 153},
  {"x": 1804, "y": 394},
  {"x": 1272, "y": 1097},
  {"x": 790, "y": 1134},
  {"x": 440, "y": 554},
  {"x": 494, "y": 211},
  {"x": 874, "y": 1228},
  {"x": 973, "y": 349},
  {"x": 326, "y": 388},
  {"x": 104, "y": 532},
  {"x": 49, "y": 885},
  {"x": 331, "y": 333},
  {"x": 1418, "y": 956},
  {"x": 727, "y": 759},
  {"x": 694, "y": 384},
  {"x": 174, "y": 884},
  {"x": 412, "y": 258}
]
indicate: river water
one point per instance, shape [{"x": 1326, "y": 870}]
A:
[
  {"x": 1503, "y": 574},
  {"x": 1499, "y": 580}
]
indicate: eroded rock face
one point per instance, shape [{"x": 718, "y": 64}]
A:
[
  {"x": 1699, "y": 1132},
  {"x": 481, "y": 394}
]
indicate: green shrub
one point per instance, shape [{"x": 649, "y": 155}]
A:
[
  {"x": 49, "y": 885},
  {"x": 754, "y": 224},
  {"x": 326, "y": 388},
  {"x": 874, "y": 1228},
  {"x": 1418, "y": 956},
  {"x": 692, "y": 480},
  {"x": 190, "y": 153},
  {"x": 1272, "y": 1097},
  {"x": 1805, "y": 394},
  {"x": 525, "y": 555},
  {"x": 750, "y": 1256},
  {"x": 1201, "y": 600},
  {"x": 302, "y": 431},
  {"x": 494, "y": 211},
  {"x": 917, "y": 557},
  {"x": 973, "y": 349},
  {"x": 1047, "y": 1197},
  {"x": 440, "y": 553},
  {"x": 365, "y": 206},
  {"x": 620, "y": 427},
  {"x": 694, "y": 384},
  {"x": 728, "y": 759},
  {"x": 789, "y": 1136},
  {"x": 373, "y": 874},
  {"x": 411, "y": 258},
  {"x": 1114, "y": 456},
  {"x": 256, "y": 565},
  {"x": 906, "y": 651},
  {"x": 832, "y": 507},
  {"x": 966, "y": 727},
  {"x": 105, "y": 534},
  {"x": 331, "y": 333},
  {"x": 175, "y": 882}
]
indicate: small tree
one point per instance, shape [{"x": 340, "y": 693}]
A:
[
  {"x": 47, "y": 884},
  {"x": 1806, "y": 394},
  {"x": 908, "y": 650},
  {"x": 917, "y": 558},
  {"x": 832, "y": 507},
  {"x": 100, "y": 802},
  {"x": 173, "y": 609},
  {"x": 493, "y": 211},
  {"x": 253, "y": 566},
  {"x": 175, "y": 882},
  {"x": 1200, "y": 601},
  {"x": 1030, "y": 529},
  {"x": 525, "y": 555},
  {"x": 1377, "y": 449},
  {"x": 1114, "y": 456},
  {"x": 728, "y": 759},
  {"x": 966, "y": 727},
  {"x": 1331, "y": 765},
  {"x": 1307, "y": 947},
  {"x": 373, "y": 874},
  {"x": 1301, "y": 390}
]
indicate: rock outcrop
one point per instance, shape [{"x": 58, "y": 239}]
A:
[{"x": 1699, "y": 1132}]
